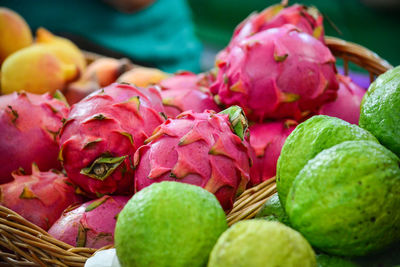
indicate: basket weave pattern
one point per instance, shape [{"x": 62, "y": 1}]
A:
[{"x": 25, "y": 244}]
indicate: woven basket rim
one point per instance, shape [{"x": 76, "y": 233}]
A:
[{"x": 358, "y": 54}]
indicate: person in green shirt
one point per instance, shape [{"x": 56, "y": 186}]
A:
[{"x": 151, "y": 33}]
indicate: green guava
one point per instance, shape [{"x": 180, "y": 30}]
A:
[
  {"x": 324, "y": 260},
  {"x": 169, "y": 224},
  {"x": 272, "y": 210},
  {"x": 260, "y": 243},
  {"x": 346, "y": 200},
  {"x": 380, "y": 109},
  {"x": 306, "y": 141}
]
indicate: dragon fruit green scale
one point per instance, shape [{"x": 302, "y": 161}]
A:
[
  {"x": 206, "y": 149},
  {"x": 277, "y": 73},
  {"x": 102, "y": 133}
]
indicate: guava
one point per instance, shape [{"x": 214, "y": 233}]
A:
[
  {"x": 306, "y": 141},
  {"x": 260, "y": 243},
  {"x": 380, "y": 109},
  {"x": 346, "y": 200},
  {"x": 272, "y": 210},
  {"x": 169, "y": 224},
  {"x": 325, "y": 260}
]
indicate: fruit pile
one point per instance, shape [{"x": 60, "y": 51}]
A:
[
  {"x": 161, "y": 157},
  {"x": 45, "y": 65}
]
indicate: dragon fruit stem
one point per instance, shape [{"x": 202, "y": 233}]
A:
[
  {"x": 238, "y": 120},
  {"x": 102, "y": 167}
]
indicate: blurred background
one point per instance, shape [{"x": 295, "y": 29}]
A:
[{"x": 186, "y": 34}]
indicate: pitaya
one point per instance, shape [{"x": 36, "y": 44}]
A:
[
  {"x": 180, "y": 80},
  {"x": 90, "y": 224},
  {"x": 307, "y": 19},
  {"x": 187, "y": 91},
  {"x": 103, "y": 132},
  {"x": 277, "y": 73},
  {"x": 29, "y": 126},
  {"x": 178, "y": 101},
  {"x": 189, "y": 80},
  {"x": 40, "y": 197},
  {"x": 348, "y": 102},
  {"x": 266, "y": 141},
  {"x": 199, "y": 149}
]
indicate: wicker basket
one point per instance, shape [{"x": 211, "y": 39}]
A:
[{"x": 24, "y": 244}]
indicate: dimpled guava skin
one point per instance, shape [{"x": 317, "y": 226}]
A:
[
  {"x": 306, "y": 141},
  {"x": 346, "y": 200},
  {"x": 169, "y": 224},
  {"x": 261, "y": 243},
  {"x": 380, "y": 110}
]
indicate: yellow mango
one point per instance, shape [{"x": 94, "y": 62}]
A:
[
  {"x": 106, "y": 70},
  {"x": 15, "y": 33},
  {"x": 143, "y": 77},
  {"x": 35, "y": 69},
  {"x": 64, "y": 49},
  {"x": 78, "y": 90}
]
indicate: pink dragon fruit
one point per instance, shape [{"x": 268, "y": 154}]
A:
[
  {"x": 180, "y": 80},
  {"x": 180, "y": 100},
  {"x": 40, "y": 197},
  {"x": 307, "y": 19},
  {"x": 277, "y": 73},
  {"x": 199, "y": 149},
  {"x": 90, "y": 224},
  {"x": 266, "y": 141},
  {"x": 187, "y": 91},
  {"x": 103, "y": 132},
  {"x": 29, "y": 126},
  {"x": 189, "y": 80},
  {"x": 347, "y": 104}
]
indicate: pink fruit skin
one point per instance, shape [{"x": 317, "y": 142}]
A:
[
  {"x": 308, "y": 20},
  {"x": 198, "y": 149},
  {"x": 266, "y": 141},
  {"x": 29, "y": 126},
  {"x": 187, "y": 91},
  {"x": 188, "y": 80},
  {"x": 94, "y": 228},
  {"x": 177, "y": 101},
  {"x": 111, "y": 122},
  {"x": 40, "y": 197},
  {"x": 348, "y": 102},
  {"x": 295, "y": 77},
  {"x": 180, "y": 80}
]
